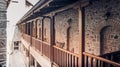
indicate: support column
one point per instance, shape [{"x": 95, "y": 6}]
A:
[
  {"x": 81, "y": 35},
  {"x": 52, "y": 38},
  {"x": 42, "y": 34},
  {"x": 31, "y": 34}
]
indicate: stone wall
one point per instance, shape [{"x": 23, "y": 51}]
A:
[
  {"x": 102, "y": 27},
  {"x": 39, "y": 29},
  {"x": 46, "y": 30},
  {"x": 3, "y": 29},
  {"x": 66, "y": 30}
]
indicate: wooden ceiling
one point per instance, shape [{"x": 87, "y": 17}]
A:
[{"x": 45, "y": 6}]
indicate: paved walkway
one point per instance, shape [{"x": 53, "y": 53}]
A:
[{"x": 16, "y": 59}]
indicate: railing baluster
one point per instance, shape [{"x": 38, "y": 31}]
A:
[
  {"x": 102, "y": 64},
  {"x": 94, "y": 62},
  {"x": 57, "y": 55},
  {"x": 77, "y": 62},
  {"x": 99, "y": 63},
  {"x": 68, "y": 61},
  {"x": 65, "y": 59},
  {"x": 86, "y": 61},
  {"x": 73, "y": 61}
]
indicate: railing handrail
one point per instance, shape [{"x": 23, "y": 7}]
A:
[
  {"x": 101, "y": 59},
  {"x": 46, "y": 43},
  {"x": 37, "y": 39},
  {"x": 26, "y": 34},
  {"x": 66, "y": 51}
]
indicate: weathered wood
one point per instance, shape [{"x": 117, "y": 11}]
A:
[
  {"x": 43, "y": 5},
  {"x": 65, "y": 58},
  {"x": 101, "y": 59},
  {"x": 63, "y": 8},
  {"x": 66, "y": 51},
  {"x": 80, "y": 36}
]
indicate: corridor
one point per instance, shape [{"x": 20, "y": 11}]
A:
[{"x": 17, "y": 59}]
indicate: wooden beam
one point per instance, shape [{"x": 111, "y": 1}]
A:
[
  {"x": 43, "y": 5},
  {"x": 63, "y": 8}
]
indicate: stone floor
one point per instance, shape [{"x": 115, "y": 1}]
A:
[{"x": 16, "y": 59}]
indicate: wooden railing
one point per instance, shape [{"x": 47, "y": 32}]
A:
[
  {"x": 96, "y": 61},
  {"x": 26, "y": 37},
  {"x": 64, "y": 58},
  {"x": 46, "y": 49},
  {"x": 113, "y": 56},
  {"x": 37, "y": 44}
]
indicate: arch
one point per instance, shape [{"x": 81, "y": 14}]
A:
[
  {"x": 109, "y": 39},
  {"x": 102, "y": 24},
  {"x": 104, "y": 29}
]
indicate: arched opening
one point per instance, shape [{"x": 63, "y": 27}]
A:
[
  {"x": 104, "y": 38},
  {"x": 109, "y": 39},
  {"x": 68, "y": 38}
]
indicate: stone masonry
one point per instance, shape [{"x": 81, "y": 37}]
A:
[
  {"x": 102, "y": 27},
  {"x": 3, "y": 32},
  {"x": 66, "y": 30}
]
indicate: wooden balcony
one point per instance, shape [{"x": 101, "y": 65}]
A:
[
  {"x": 36, "y": 43},
  {"x": 26, "y": 37},
  {"x": 64, "y": 58},
  {"x": 46, "y": 49}
]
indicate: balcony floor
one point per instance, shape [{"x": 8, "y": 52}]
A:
[{"x": 17, "y": 59}]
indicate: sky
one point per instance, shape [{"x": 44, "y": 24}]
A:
[{"x": 15, "y": 11}]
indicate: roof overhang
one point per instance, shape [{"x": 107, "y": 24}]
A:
[{"x": 8, "y": 2}]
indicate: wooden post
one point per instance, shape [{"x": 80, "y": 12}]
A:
[
  {"x": 42, "y": 34},
  {"x": 31, "y": 33},
  {"x": 81, "y": 34},
  {"x": 36, "y": 29},
  {"x": 52, "y": 37}
]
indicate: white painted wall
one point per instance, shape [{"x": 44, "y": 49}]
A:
[{"x": 15, "y": 11}]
